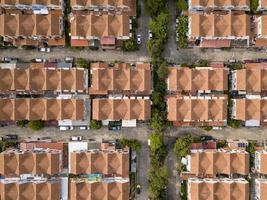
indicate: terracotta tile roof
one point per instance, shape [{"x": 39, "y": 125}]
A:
[
  {"x": 215, "y": 43},
  {"x": 213, "y": 162},
  {"x": 263, "y": 25},
  {"x": 40, "y": 79},
  {"x": 111, "y": 3},
  {"x": 31, "y": 2},
  {"x": 121, "y": 77},
  {"x": 79, "y": 43},
  {"x": 30, "y": 25},
  {"x": 261, "y": 161},
  {"x": 100, "y": 26},
  {"x": 186, "y": 79},
  {"x": 261, "y": 188},
  {"x": 44, "y": 145},
  {"x": 25, "y": 190},
  {"x": 41, "y": 109},
  {"x": 223, "y": 189},
  {"x": 121, "y": 109},
  {"x": 92, "y": 190},
  {"x": 261, "y": 42},
  {"x": 100, "y": 161},
  {"x": 196, "y": 109},
  {"x": 14, "y": 163},
  {"x": 253, "y": 78},
  {"x": 220, "y": 3},
  {"x": 214, "y": 25},
  {"x": 250, "y": 109},
  {"x": 263, "y": 3}
]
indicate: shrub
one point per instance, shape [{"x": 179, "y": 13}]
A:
[
  {"x": 36, "y": 125},
  {"x": 132, "y": 143},
  {"x": 82, "y": 63},
  {"x": 182, "y": 5},
  {"x": 234, "y": 123},
  {"x": 154, "y": 7},
  {"x": 182, "y": 146},
  {"x": 221, "y": 144},
  {"x": 95, "y": 124},
  {"x": 207, "y": 128},
  {"x": 203, "y": 63},
  {"x": 254, "y": 5},
  {"x": 22, "y": 123},
  {"x": 182, "y": 29},
  {"x": 130, "y": 45}
]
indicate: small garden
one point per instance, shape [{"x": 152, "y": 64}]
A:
[
  {"x": 182, "y": 30},
  {"x": 35, "y": 125}
]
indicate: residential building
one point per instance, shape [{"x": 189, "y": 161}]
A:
[
  {"x": 197, "y": 110},
  {"x": 35, "y": 162},
  {"x": 97, "y": 187},
  {"x": 121, "y": 109},
  {"x": 42, "y": 109},
  {"x": 33, "y": 80},
  {"x": 199, "y": 79},
  {"x": 32, "y": 29},
  {"x": 210, "y": 163},
  {"x": 260, "y": 189},
  {"x": 251, "y": 110},
  {"x": 110, "y": 6},
  {"x": 122, "y": 78},
  {"x": 262, "y": 5},
  {"x": 112, "y": 162},
  {"x": 36, "y": 5},
  {"x": 199, "y": 5},
  {"x": 261, "y": 30},
  {"x": 251, "y": 79},
  {"x": 32, "y": 188},
  {"x": 261, "y": 162},
  {"x": 218, "y": 29},
  {"x": 232, "y": 189},
  {"x": 86, "y": 27}
]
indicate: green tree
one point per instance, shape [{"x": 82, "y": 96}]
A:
[
  {"x": 95, "y": 124},
  {"x": 36, "y": 125},
  {"x": 130, "y": 45},
  {"x": 182, "y": 146},
  {"x": 182, "y": 5},
  {"x": 158, "y": 179},
  {"x": 254, "y": 4},
  {"x": 22, "y": 123},
  {"x": 163, "y": 70},
  {"x": 82, "y": 63},
  {"x": 154, "y": 7},
  {"x": 159, "y": 27},
  {"x": 158, "y": 120},
  {"x": 182, "y": 30}
]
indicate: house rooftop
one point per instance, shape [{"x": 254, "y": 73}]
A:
[
  {"x": 121, "y": 77},
  {"x": 30, "y": 2},
  {"x": 187, "y": 79},
  {"x": 214, "y": 162},
  {"x": 220, "y": 3},
  {"x": 100, "y": 161}
]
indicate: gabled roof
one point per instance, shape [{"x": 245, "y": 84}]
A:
[
  {"x": 31, "y": 2},
  {"x": 214, "y": 25},
  {"x": 253, "y": 78},
  {"x": 91, "y": 190},
  {"x": 100, "y": 26},
  {"x": 121, "y": 109},
  {"x": 186, "y": 79},
  {"x": 104, "y": 162},
  {"x": 262, "y": 161},
  {"x": 223, "y": 189},
  {"x": 220, "y": 3},
  {"x": 213, "y": 162},
  {"x": 196, "y": 109},
  {"x": 30, "y": 25},
  {"x": 30, "y": 162},
  {"x": 121, "y": 77},
  {"x": 41, "y": 109}
]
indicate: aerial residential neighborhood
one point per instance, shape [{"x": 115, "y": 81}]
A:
[{"x": 133, "y": 100}]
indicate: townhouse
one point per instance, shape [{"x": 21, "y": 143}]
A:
[
  {"x": 262, "y": 5},
  {"x": 260, "y": 189},
  {"x": 261, "y": 162},
  {"x": 196, "y": 96},
  {"x": 224, "y": 188},
  {"x": 261, "y": 30},
  {"x": 121, "y": 92},
  {"x": 211, "y": 163},
  {"x": 101, "y": 24}
]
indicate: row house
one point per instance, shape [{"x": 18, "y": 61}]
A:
[
  {"x": 261, "y": 30},
  {"x": 260, "y": 189},
  {"x": 262, "y": 5},
  {"x": 211, "y": 163},
  {"x": 223, "y": 188},
  {"x": 32, "y": 29},
  {"x": 224, "y": 5},
  {"x": 116, "y": 6},
  {"x": 261, "y": 162},
  {"x": 218, "y": 30}
]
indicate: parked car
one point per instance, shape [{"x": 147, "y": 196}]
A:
[
  {"x": 139, "y": 39},
  {"x": 45, "y": 49},
  {"x": 11, "y": 137},
  {"x": 83, "y": 127},
  {"x": 205, "y": 138},
  {"x": 138, "y": 189},
  {"x": 150, "y": 35},
  {"x": 39, "y": 60},
  {"x": 9, "y": 59},
  {"x": 76, "y": 138}
]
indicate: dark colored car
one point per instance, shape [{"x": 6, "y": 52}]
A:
[
  {"x": 11, "y": 137},
  {"x": 206, "y": 138}
]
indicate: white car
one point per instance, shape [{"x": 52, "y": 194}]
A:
[
  {"x": 45, "y": 49},
  {"x": 150, "y": 35},
  {"x": 138, "y": 39},
  {"x": 76, "y": 138}
]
